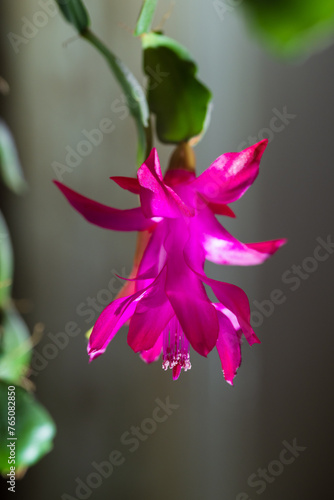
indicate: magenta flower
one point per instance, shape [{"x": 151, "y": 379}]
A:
[{"x": 165, "y": 300}]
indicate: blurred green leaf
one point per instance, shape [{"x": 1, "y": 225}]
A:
[
  {"x": 134, "y": 94},
  {"x": 10, "y": 168},
  {"x": 145, "y": 17},
  {"x": 75, "y": 13},
  {"x": 15, "y": 346},
  {"x": 34, "y": 429},
  {"x": 6, "y": 263},
  {"x": 292, "y": 26},
  {"x": 177, "y": 98}
]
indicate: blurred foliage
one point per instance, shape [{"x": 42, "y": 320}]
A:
[
  {"x": 34, "y": 430},
  {"x": 6, "y": 264},
  {"x": 177, "y": 98},
  {"x": 10, "y": 168},
  {"x": 291, "y": 27},
  {"x": 15, "y": 347}
]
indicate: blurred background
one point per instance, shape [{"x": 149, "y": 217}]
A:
[{"x": 217, "y": 437}]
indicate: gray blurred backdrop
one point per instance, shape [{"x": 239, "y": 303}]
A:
[{"x": 216, "y": 439}]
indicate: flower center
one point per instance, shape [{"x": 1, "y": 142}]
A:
[{"x": 175, "y": 349}]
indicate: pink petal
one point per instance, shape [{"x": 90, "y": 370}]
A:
[
  {"x": 157, "y": 199},
  {"x": 228, "y": 347},
  {"x": 201, "y": 203},
  {"x": 267, "y": 247},
  {"x": 222, "y": 248},
  {"x": 178, "y": 176},
  {"x": 129, "y": 288},
  {"x": 143, "y": 238},
  {"x": 230, "y": 296},
  {"x": 109, "y": 322},
  {"x": 154, "y": 255},
  {"x": 221, "y": 209},
  {"x": 235, "y": 299},
  {"x": 195, "y": 312},
  {"x": 154, "y": 353},
  {"x": 129, "y": 183},
  {"x": 233, "y": 319},
  {"x": 104, "y": 216},
  {"x": 230, "y": 175},
  {"x": 151, "y": 316}
]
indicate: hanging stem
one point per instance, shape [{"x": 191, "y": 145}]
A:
[{"x": 134, "y": 94}]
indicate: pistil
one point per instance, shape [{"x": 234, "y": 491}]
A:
[{"x": 175, "y": 349}]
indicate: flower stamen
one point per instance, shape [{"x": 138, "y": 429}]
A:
[{"x": 175, "y": 349}]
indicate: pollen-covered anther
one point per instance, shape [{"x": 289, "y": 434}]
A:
[{"x": 175, "y": 349}]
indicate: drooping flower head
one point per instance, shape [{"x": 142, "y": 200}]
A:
[{"x": 164, "y": 300}]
